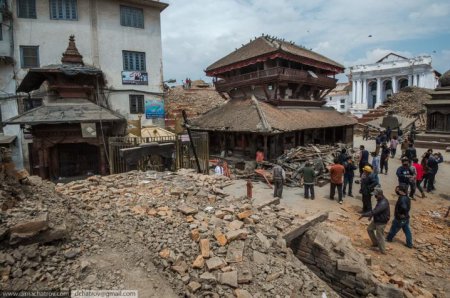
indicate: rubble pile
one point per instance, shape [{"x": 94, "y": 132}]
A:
[
  {"x": 195, "y": 101},
  {"x": 321, "y": 156},
  {"x": 409, "y": 102},
  {"x": 203, "y": 242}
]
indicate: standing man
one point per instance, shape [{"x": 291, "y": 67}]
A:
[
  {"x": 348, "y": 176},
  {"x": 411, "y": 152},
  {"x": 342, "y": 156},
  {"x": 363, "y": 159},
  {"x": 378, "y": 141},
  {"x": 366, "y": 133},
  {"x": 380, "y": 215},
  {"x": 384, "y": 158},
  {"x": 375, "y": 164},
  {"x": 404, "y": 146},
  {"x": 218, "y": 169},
  {"x": 279, "y": 176},
  {"x": 368, "y": 184},
  {"x": 259, "y": 158},
  {"x": 401, "y": 216},
  {"x": 388, "y": 133},
  {"x": 336, "y": 179},
  {"x": 433, "y": 166},
  {"x": 393, "y": 146},
  {"x": 308, "y": 180},
  {"x": 419, "y": 177},
  {"x": 405, "y": 173}
]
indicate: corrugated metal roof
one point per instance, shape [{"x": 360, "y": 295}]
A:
[{"x": 243, "y": 116}]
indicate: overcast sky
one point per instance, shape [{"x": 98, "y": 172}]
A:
[{"x": 196, "y": 33}]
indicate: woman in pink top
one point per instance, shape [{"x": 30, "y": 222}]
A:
[{"x": 419, "y": 177}]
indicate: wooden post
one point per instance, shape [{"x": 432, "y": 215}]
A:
[{"x": 265, "y": 148}]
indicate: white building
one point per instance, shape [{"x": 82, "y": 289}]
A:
[
  {"x": 373, "y": 83},
  {"x": 339, "y": 98},
  {"x": 122, "y": 38}
]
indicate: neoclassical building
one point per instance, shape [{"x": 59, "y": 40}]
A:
[{"x": 373, "y": 83}]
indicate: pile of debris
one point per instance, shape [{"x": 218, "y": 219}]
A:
[
  {"x": 202, "y": 241},
  {"x": 195, "y": 101},
  {"x": 321, "y": 156},
  {"x": 409, "y": 102}
]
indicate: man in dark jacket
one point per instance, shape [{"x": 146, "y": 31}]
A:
[
  {"x": 363, "y": 159},
  {"x": 384, "y": 158},
  {"x": 342, "y": 157},
  {"x": 433, "y": 166},
  {"x": 380, "y": 215},
  {"x": 308, "y": 180},
  {"x": 348, "y": 176},
  {"x": 411, "y": 152},
  {"x": 405, "y": 173},
  {"x": 401, "y": 216},
  {"x": 279, "y": 176},
  {"x": 368, "y": 184}
]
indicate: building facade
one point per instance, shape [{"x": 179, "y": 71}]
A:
[
  {"x": 121, "y": 38},
  {"x": 372, "y": 84},
  {"x": 339, "y": 98}
]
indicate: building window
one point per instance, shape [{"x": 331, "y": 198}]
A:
[
  {"x": 1, "y": 32},
  {"x": 137, "y": 104},
  {"x": 342, "y": 107},
  {"x": 63, "y": 10},
  {"x": 26, "y": 9},
  {"x": 29, "y": 56},
  {"x": 342, "y": 100},
  {"x": 133, "y": 61},
  {"x": 31, "y": 103},
  {"x": 131, "y": 17}
]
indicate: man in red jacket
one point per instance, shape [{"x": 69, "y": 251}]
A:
[
  {"x": 419, "y": 178},
  {"x": 336, "y": 179}
]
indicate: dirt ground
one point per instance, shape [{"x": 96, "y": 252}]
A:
[{"x": 426, "y": 265}]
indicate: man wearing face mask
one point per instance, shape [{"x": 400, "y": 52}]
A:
[{"x": 405, "y": 173}]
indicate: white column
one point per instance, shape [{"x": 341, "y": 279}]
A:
[
  {"x": 364, "y": 93},
  {"x": 409, "y": 80},
  {"x": 353, "y": 92},
  {"x": 378, "y": 92},
  {"x": 394, "y": 84},
  {"x": 414, "y": 80},
  {"x": 358, "y": 94}
]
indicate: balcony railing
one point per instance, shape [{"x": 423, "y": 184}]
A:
[{"x": 275, "y": 74}]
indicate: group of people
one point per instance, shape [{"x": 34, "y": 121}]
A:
[{"x": 187, "y": 84}]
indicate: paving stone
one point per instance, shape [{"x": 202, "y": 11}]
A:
[
  {"x": 235, "y": 225},
  {"x": 204, "y": 248},
  {"x": 237, "y": 234},
  {"x": 241, "y": 293},
  {"x": 199, "y": 262},
  {"x": 194, "y": 286},
  {"x": 186, "y": 210},
  {"x": 235, "y": 252},
  {"x": 215, "y": 263},
  {"x": 229, "y": 278},
  {"x": 263, "y": 239}
]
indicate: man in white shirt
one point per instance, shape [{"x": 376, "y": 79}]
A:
[{"x": 219, "y": 169}]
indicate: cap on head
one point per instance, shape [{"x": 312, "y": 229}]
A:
[{"x": 367, "y": 169}]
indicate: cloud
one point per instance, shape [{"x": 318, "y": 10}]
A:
[{"x": 196, "y": 33}]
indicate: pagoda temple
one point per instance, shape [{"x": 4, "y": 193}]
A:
[
  {"x": 276, "y": 91},
  {"x": 70, "y": 129},
  {"x": 437, "y": 134}
]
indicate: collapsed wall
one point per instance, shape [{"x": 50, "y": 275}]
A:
[{"x": 331, "y": 256}]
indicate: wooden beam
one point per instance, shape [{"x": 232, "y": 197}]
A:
[{"x": 306, "y": 224}]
